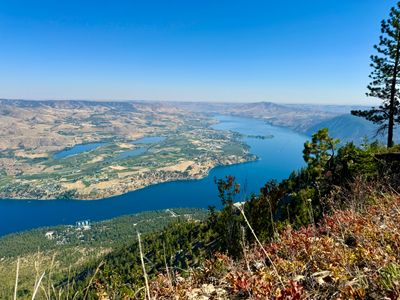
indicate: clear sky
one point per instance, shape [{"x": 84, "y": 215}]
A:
[{"x": 313, "y": 51}]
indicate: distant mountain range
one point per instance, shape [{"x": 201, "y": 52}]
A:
[
  {"x": 296, "y": 118},
  {"x": 303, "y": 118},
  {"x": 350, "y": 128}
]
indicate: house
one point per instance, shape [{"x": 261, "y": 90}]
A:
[{"x": 49, "y": 235}]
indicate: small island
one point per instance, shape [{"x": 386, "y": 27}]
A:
[
  {"x": 260, "y": 137},
  {"x": 94, "y": 150}
]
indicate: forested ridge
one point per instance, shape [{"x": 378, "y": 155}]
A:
[
  {"x": 330, "y": 230},
  {"x": 66, "y": 249}
]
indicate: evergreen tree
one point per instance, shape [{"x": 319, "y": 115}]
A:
[
  {"x": 319, "y": 153},
  {"x": 385, "y": 76},
  {"x": 228, "y": 225}
]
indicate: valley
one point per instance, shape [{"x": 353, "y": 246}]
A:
[
  {"x": 125, "y": 147},
  {"x": 91, "y": 150},
  {"x": 277, "y": 157}
]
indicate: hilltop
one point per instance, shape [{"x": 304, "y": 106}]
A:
[
  {"x": 349, "y": 128},
  {"x": 349, "y": 255},
  {"x": 330, "y": 230}
]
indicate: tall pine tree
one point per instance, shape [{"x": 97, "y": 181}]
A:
[{"x": 385, "y": 77}]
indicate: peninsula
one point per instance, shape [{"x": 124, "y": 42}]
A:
[{"x": 92, "y": 150}]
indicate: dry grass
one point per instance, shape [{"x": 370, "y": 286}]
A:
[
  {"x": 19, "y": 277},
  {"x": 350, "y": 255}
]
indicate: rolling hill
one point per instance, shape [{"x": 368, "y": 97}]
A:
[{"x": 350, "y": 128}]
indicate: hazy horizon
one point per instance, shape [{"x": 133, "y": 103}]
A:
[{"x": 193, "y": 101}]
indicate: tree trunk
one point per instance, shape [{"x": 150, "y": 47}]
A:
[{"x": 393, "y": 95}]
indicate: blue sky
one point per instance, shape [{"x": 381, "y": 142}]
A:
[{"x": 311, "y": 51}]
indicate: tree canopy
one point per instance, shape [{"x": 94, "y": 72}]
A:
[{"x": 384, "y": 77}]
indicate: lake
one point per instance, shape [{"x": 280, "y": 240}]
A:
[
  {"x": 77, "y": 149},
  {"x": 92, "y": 146},
  {"x": 278, "y": 156}
]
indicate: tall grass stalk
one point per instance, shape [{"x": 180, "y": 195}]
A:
[
  {"x": 147, "y": 290},
  {"x": 37, "y": 286},
  {"x": 261, "y": 246},
  {"x": 16, "y": 280},
  {"x": 49, "y": 283},
  {"x": 69, "y": 275}
]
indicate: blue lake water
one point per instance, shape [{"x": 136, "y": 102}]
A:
[
  {"x": 91, "y": 146},
  {"x": 77, "y": 149},
  {"x": 141, "y": 150},
  {"x": 278, "y": 157}
]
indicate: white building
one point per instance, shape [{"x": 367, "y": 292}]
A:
[{"x": 49, "y": 235}]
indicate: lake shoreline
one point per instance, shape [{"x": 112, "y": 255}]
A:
[
  {"x": 194, "y": 178},
  {"x": 276, "y": 159}
]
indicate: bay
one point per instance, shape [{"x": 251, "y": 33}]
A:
[{"x": 278, "y": 157}]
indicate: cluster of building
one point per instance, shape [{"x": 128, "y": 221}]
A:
[{"x": 79, "y": 226}]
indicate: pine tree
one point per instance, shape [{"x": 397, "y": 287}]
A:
[
  {"x": 319, "y": 153},
  {"x": 385, "y": 76}
]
